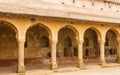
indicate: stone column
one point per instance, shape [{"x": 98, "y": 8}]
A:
[
  {"x": 80, "y": 54},
  {"x": 53, "y": 54},
  {"x": 21, "y": 66},
  {"x": 102, "y": 53},
  {"x": 118, "y": 52}
]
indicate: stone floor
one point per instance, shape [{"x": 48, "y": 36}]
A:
[
  {"x": 9, "y": 67},
  {"x": 98, "y": 71}
]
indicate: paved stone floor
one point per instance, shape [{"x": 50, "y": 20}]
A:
[
  {"x": 67, "y": 71},
  {"x": 100, "y": 71},
  {"x": 35, "y": 68}
]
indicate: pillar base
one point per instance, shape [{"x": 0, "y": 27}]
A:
[
  {"x": 53, "y": 66},
  {"x": 80, "y": 64},
  {"x": 21, "y": 74},
  {"x": 21, "y": 69},
  {"x": 102, "y": 62}
]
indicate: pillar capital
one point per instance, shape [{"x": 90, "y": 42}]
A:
[
  {"x": 54, "y": 36},
  {"x": 80, "y": 41},
  {"x": 21, "y": 39},
  {"x": 101, "y": 41},
  {"x": 118, "y": 41},
  {"x": 54, "y": 40}
]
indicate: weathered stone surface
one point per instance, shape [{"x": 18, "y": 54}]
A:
[
  {"x": 78, "y": 9},
  {"x": 59, "y": 39}
]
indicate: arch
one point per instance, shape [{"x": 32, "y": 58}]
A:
[
  {"x": 99, "y": 36},
  {"x": 38, "y": 37},
  {"x": 44, "y": 26},
  {"x": 8, "y": 40},
  {"x": 91, "y": 46},
  {"x": 71, "y": 28},
  {"x": 67, "y": 41},
  {"x": 10, "y": 25},
  {"x": 111, "y": 50},
  {"x": 117, "y": 34}
]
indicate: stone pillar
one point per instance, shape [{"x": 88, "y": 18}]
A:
[
  {"x": 118, "y": 52},
  {"x": 21, "y": 66},
  {"x": 102, "y": 53},
  {"x": 53, "y": 54},
  {"x": 80, "y": 54}
]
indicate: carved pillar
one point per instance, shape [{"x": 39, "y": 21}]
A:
[
  {"x": 21, "y": 66},
  {"x": 118, "y": 52},
  {"x": 80, "y": 53},
  {"x": 53, "y": 54},
  {"x": 102, "y": 52}
]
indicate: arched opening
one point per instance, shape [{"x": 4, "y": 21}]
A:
[
  {"x": 67, "y": 49},
  {"x": 37, "y": 47},
  {"x": 91, "y": 47},
  {"x": 111, "y": 47},
  {"x": 8, "y": 46}
]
